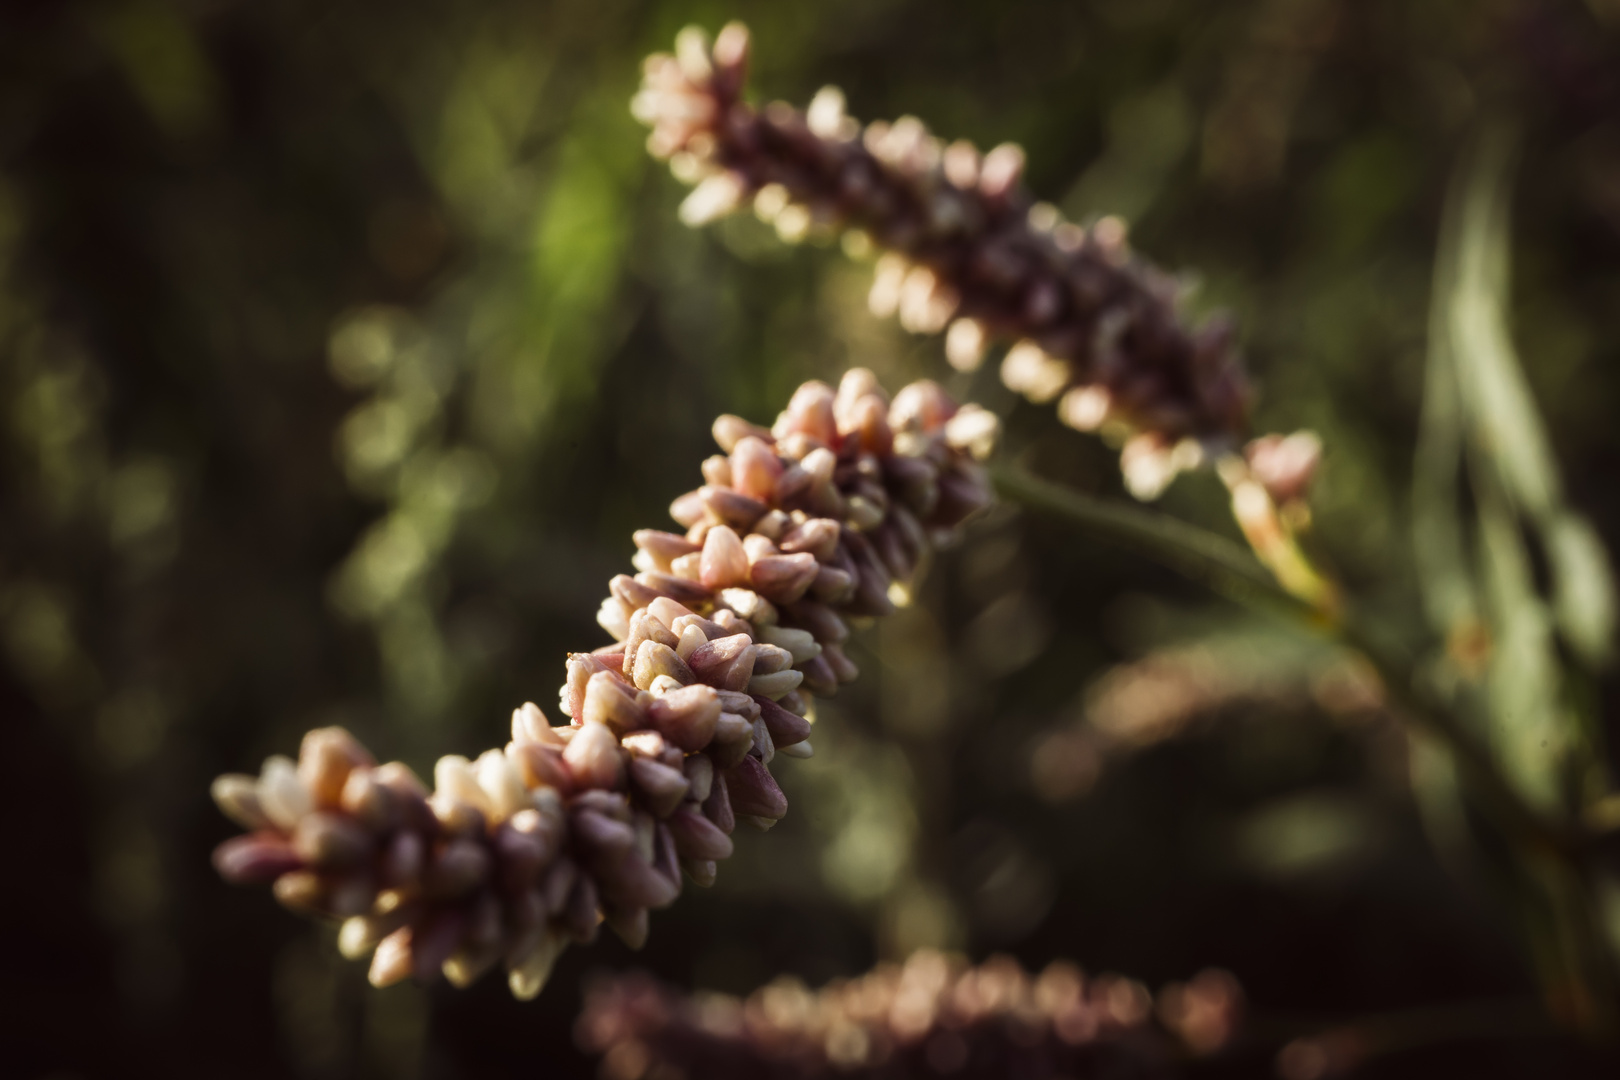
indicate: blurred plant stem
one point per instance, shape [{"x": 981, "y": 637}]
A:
[
  {"x": 1539, "y": 839},
  {"x": 1274, "y": 538},
  {"x": 1226, "y": 568}
]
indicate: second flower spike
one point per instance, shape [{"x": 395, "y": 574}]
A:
[{"x": 1094, "y": 329}]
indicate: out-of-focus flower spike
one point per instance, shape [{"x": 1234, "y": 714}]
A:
[{"x": 933, "y": 1015}]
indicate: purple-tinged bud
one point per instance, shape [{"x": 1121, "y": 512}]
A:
[
  {"x": 699, "y": 770},
  {"x": 402, "y": 861},
  {"x": 255, "y": 859},
  {"x": 632, "y": 592},
  {"x": 631, "y": 927},
  {"x": 582, "y": 914},
  {"x": 531, "y": 963},
  {"x": 810, "y": 412},
  {"x": 730, "y": 507},
  {"x": 557, "y": 885},
  {"x": 654, "y": 659},
  {"x": 733, "y": 737},
  {"x": 783, "y": 578},
  {"x": 610, "y": 701},
  {"x": 817, "y": 536},
  {"x": 643, "y": 627},
  {"x": 755, "y": 468},
  {"x": 302, "y": 891},
  {"x": 646, "y": 744},
  {"x": 793, "y": 482},
  {"x": 662, "y": 787},
  {"x": 778, "y": 683},
  {"x": 284, "y": 797},
  {"x": 529, "y": 724},
  {"x": 435, "y": 942},
  {"x": 237, "y": 796},
  {"x": 769, "y": 659},
  {"x": 716, "y": 470},
  {"x": 717, "y": 807},
  {"x": 629, "y": 882},
  {"x": 726, "y": 662},
  {"x": 520, "y": 856},
  {"x": 725, "y": 562},
  {"x": 598, "y": 834},
  {"x": 730, "y": 430},
  {"x": 696, "y": 837},
  {"x": 593, "y": 757},
  {"x": 818, "y": 677},
  {"x": 688, "y": 509},
  {"x": 701, "y": 871},
  {"x": 733, "y": 701},
  {"x": 328, "y": 841},
  {"x": 832, "y": 586},
  {"x": 392, "y": 962},
  {"x": 676, "y": 588},
  {"x": 754, "y": 790},
  {"x": 458, "y": 868},
  {"x": 749, "y": 606},
  {"x": 325, "y": 760},
  {"x": 542, "y": 766},
  {"x": 663, "y": 547},
  {"x": 786, "y": 729},
  {"x": 820, "y": 620},
  {"x": 581, "y": 666},
  {"x": 369, "y": 803},
  {"x": 686, "y": 717},
  {"x": 843, "y": 668},
  {"x": 1285, "y": 466},
  {"x": 1001, "y": 170},
  {"x": 922, "y": 406},
  {"x": 666, "y": 611},
  {"x": 756, "y": 547}
]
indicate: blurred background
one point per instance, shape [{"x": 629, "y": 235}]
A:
[{"x": 343, "y": 345}]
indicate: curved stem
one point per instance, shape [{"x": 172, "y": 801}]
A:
[
  {"x": 1229, "y": 569},
  {"x": 1205, "y": 557}
]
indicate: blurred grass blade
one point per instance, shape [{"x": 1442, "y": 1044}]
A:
[
  {"x": 1532, "y": 734},
  {"x": 1506, "y": 428},
  {"x": 1511, "y": 471},
  {"x": 1501, "y": 411},
  {"x": 1445, "y": 575},
  {"x": 1583, "y": 586}
]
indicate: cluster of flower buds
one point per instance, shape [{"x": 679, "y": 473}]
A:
[
  {"x": 722, "y": 641},
  {"x": 932, "y": 1016},
  {"x": 1093, "y": 327}
]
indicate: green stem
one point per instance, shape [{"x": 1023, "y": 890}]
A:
[
  {"x": 1229, "y": 569},
  {"x": 1222, "y": 565}
]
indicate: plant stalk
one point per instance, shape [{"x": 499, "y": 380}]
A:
[{"x": 1226, "y": 567}]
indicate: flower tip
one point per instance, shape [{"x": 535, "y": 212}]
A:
[
  {"x": 731, "y": 46},
  {"x": 692, "y": 54}
]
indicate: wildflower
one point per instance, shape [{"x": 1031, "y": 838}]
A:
[
  {"x": 722, "y": 640},
  {"x": 966, "y": 252}
]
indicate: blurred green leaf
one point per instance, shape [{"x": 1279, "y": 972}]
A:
[
  {"x": 1502, "y": 418},
  {"x": 1532, "y": 735},
  {"x": 1445, "y": 576},
  {"x": 164, "y": 62},
  {"x": 1583, "y": 586}
]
